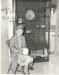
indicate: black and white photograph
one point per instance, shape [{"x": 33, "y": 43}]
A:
[{"x": 29, "y": 32}]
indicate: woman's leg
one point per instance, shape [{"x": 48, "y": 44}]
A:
[
  {"x": 28, "y": 62},
  {"x": 26, "y": 70}
]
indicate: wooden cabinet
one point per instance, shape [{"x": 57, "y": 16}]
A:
[{"x": 38, "y": 26}]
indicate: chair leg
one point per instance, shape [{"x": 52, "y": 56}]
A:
[
  {"x": 16, "y": 68},
  {"x": 9, "y": 68},
  {"x": 23, "y": 70},
  {"x": 26, "y": 72}
]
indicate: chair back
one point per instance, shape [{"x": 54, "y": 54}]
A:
[{"x": 8, "y": 43}]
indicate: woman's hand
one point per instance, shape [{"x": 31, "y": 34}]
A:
[
  {"x": 17, "y": 51},
  {"x": 20, "y": 51}
]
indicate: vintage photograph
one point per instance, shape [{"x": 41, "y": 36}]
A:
[{"x": 29, "y": 37}]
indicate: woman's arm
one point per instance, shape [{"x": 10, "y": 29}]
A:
[{"x": 12, "y": 46}]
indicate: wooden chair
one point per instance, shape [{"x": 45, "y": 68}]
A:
[{"x": 22, "y": 67}]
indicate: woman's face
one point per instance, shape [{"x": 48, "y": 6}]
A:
[{"x": 19, "y": 32}]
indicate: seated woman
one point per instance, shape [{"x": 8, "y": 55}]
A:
[{"x": 17, "y": 45}]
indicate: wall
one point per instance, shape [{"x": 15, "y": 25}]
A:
[
  {"x": 54, "y": 34},
  {"x": 6, "y": 33},
  {"x": 4, "y": 37},
  {"x": 52, "y": 31},
  {"x": 57, "y": 29}
]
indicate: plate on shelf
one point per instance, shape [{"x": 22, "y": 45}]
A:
[{"x": 30, "y": 15}]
